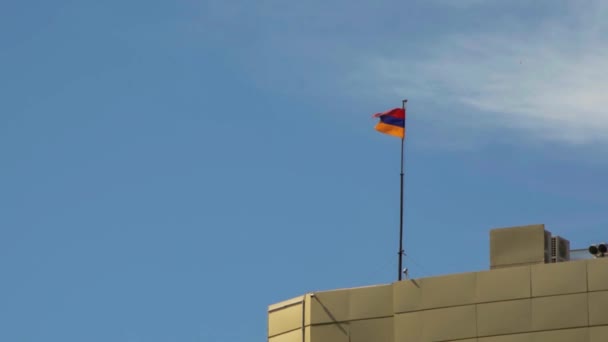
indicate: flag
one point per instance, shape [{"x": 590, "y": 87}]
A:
[{"x": 392, "y": 122}]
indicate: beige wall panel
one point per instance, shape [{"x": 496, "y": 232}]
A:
[
  {"x": 558, "y": 312},
  {"x": 435, "y": 292},
  {"x": 370, "y": 302},
  {"x": 408, "y": 327},
  {"x": 338, "y": 332},
  {"x": 564, "y": 335},
  {"x": 597, "y": 273},
  {"x": 450, "y": 290},
  {"x": 503, "y": 284},
  {"x": 372, "y": 330},
  {"x": 307, "y": 311},
  {"x": 436, "y": 325},
  {"x": 285, "y": 319},
  {"x": 407, "y": 296},
  {"x": 285, "y": 303},
  {"x": 449, "y": 323},
  {"x": 502, "y": 318},
  {"x": 598, "y": 334},
  {"x": 598, "y": 308},
  {"x": 329, "y": 306},
  {"x": 517, "y": 245},
  {"x": 567, "y": 335},
  {"x": 508, "y": 338},
  {"x": 559, "y": 278},
  {"x": 292, "y": 336}
]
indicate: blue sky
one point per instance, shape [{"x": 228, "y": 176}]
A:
[{"x": 171, "y": 168}]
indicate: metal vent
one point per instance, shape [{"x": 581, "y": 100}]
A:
[
  {"x": 548, "y": 243},
  {"x": 560, "y": 249}
]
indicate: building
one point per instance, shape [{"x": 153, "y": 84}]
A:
[{"x": 533, "y": 292}]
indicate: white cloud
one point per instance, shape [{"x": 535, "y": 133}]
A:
[{"x": 551, "y": 82}]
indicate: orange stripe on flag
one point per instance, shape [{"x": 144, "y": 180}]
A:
[{"x": 396, "y": 131}]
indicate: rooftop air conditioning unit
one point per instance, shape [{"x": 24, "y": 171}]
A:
[
  {"x": 548, "y": 242},
  {"x": 560, "y": 249}
]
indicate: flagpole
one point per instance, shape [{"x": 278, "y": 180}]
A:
[{"x": 401, "y": 251}]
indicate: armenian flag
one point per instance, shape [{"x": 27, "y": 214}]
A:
[{"x": 392, "y": 122}]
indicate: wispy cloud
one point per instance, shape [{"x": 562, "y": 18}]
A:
[{"x": 551, "y": 82}]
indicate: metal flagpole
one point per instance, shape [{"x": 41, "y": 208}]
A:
[{"x": 401, "y": 252}]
